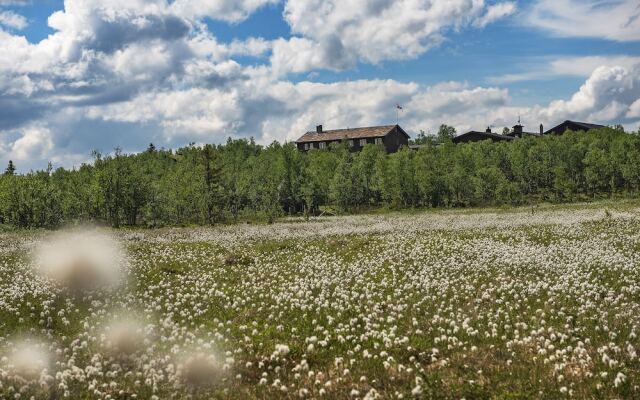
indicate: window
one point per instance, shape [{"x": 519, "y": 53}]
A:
[
  {"x": 306, "y": 146},
  {"x": 351, "y": 143},
  {"x": 363, "y": 142},
  {"x": 378, "y": 140},
  {"x": 323, "y": 145}
]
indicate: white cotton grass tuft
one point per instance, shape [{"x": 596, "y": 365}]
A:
[
  {"x": 200, "y": 369},
  {"x": 81, "y": 260},
  {"x": 124, "y": 336},
  {"x": 281, "y": 350},
  {"x": 28, "y": 359}
]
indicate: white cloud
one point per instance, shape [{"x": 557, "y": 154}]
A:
[
  {"x": 225, "y": 10},
  {"x": 610, "y": 19},
  {"x": 14, "y": 2},
  {"x": 12, "y": 20},
  {"x": 607, "y": 95},
  {"x": 584, "y": 66},
  {"x": 495, "y": 12},
  {"x": 543, "y": 68},
  {"x": 187, "y": 113},
  {"x": 35, "y": 143},
  {"x": 332, "y": 36},
  {"x": 274, "y": 109},
  {"x": 634, "y": 110},
  {"x": 297, "y": 55}
]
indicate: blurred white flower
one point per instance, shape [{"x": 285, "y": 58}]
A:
[
  {"x": 28, "y": 360},
  {"x": 124, "y": 335},
  {"x": 81, "y": 260},
  {"x": 201, "y": 369}
]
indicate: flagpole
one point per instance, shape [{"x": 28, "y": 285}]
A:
[{"x": 398, "y": 109}]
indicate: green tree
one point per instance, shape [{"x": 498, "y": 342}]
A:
[
  {"x": 214, "y": 193},
  {"x": 11, "y": 169},
  {"x": 446, "y": 133}
]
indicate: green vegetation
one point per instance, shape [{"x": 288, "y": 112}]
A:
[{"x": 241, "y": 180}]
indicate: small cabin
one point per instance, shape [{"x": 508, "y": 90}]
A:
[{"x": 392, "y": 137}]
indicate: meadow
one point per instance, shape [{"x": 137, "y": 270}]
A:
[{"x": 522, "y": 303}]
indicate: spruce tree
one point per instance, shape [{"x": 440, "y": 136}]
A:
[{"x": 11, "y": 169}]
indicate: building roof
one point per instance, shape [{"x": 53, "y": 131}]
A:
[
  {"x": 514, "y": 134},
  {"x": 351, "y": 133},
  {"x": 585, "y": 125},
  {"x": 484, "y": 135}
]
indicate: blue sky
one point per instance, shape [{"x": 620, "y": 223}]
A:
[{"x": 82, "y": 74}]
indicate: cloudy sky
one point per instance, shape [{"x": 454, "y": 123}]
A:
[{"x": 78, "y": 75}]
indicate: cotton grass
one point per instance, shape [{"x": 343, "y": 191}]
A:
[{"x": 458, "y": 305}]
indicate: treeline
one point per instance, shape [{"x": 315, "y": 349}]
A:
[{"x": 242, "y": 180}]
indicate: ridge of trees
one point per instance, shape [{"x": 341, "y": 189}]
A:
[{"x": 199, "y": 185}]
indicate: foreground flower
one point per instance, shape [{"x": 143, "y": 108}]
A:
[
  {"x": 28, "y": 360},
  {"x": 125, "y": 336},
  {"x": 201, "y": 370},
  {"x": 81, "y": 261}
]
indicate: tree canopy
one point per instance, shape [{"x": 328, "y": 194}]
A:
[{"x": 242, "y": 180}]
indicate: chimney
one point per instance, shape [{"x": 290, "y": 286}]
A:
[
  {"x": 319, "y": 129},
  {"x": 541, "y": 129},
  {"x": 517, "y": 130},
  {"x": 488, "y": 129}
]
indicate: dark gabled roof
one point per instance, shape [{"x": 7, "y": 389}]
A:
[
  {"x": 351, "y": 133},
  {"x": 584, "y": 125},
  {"x": 482, "y": 135}
]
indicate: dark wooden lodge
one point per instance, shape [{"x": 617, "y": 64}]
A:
[
  {"x": 476, "y": 136},
  {"x": 572, "y": 126},
  {"x": 392, "y": 137},
  {"x": 518, "y": 132}
]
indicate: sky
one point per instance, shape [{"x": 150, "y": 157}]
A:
[{"x": 84, "y": 75}]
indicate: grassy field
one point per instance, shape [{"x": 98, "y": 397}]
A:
[{"x": 499, "y": 304}]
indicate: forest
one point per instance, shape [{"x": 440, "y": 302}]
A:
[{"x": 243, "y": 181}]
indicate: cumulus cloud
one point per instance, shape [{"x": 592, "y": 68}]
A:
[
  {"x": 110, "y": 25},
  {"x": 225, "y": 10},
  {"x": 266, "y": 107},
  {"x": 35, "y": 143},
  {"x": 610, "y": 19},
  {"x": 609, "y": 94},
  {"x": 634, "y": 110},
  {"x": 542, "y": 68},
  {"x": 12, "y": 20},
  {"x": 331, "y": 35}
]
